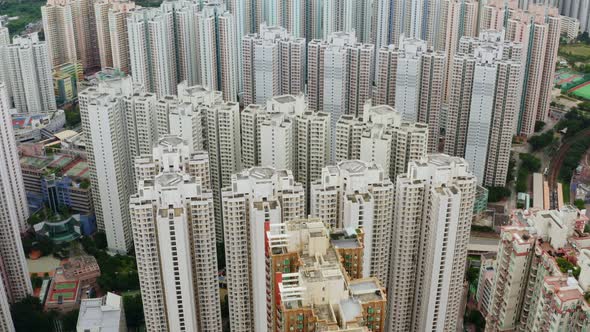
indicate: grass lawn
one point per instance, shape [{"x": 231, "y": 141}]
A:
[
  {"x": 576, "y": 49},
  {"x": 27, "y": 12},
  {"x": 583, "y": 92}
]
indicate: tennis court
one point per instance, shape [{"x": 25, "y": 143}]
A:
[
  {"x": 566, "y": 76},
  {"x": 65, "y": 285},
  {"x": 64, "y": 295},
  {"x": 582, "y": 91}
]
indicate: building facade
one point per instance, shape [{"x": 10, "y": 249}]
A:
[
  {"x": 432, "y": 220},
  {"x": 16, "y": 283}
]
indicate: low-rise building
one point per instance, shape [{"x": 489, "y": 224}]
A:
[
  {"x": 570, "y": 27},
  {"x": 32, "y": 127},
  {"x": 103, "y": 314}
]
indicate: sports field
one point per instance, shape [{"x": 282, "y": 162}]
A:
[
  {"x": 65, "y": 285},
  {"x": 65, "y": 296},
  {"x": 565, "y": 76},
  {"x": 582, "y": 91}
]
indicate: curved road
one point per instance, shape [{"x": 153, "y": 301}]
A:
[{"x": 557, "y": 160}]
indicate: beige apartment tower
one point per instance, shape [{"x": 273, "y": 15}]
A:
[
  {"x": 432, "y": 219},
  {"x": 174, "y": 234}
]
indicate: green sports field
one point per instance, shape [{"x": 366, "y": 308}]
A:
[
  {"x": 65, "y": 296},
  {"x": 582, "y": 92},
  {"x": 65, "y": 285}
]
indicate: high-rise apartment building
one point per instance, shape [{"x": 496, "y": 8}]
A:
[
  {"x": 313, "y": 146},
  {"x": 411, "y": 78},
  {"x": 292, "y": 15},
  {"x": 381, "y": 136},
  {"x": 533, "y": 288},
  {"x": 311, "y": 283},
  {"x": 269, "y": 134},
  {"x": 219, "y": 50},
  {"x": 111, "y": 32},
  {"x": 432, "y": 221},
  {"x": 348, "y": 16},
  {"x": 152, "y": 50},
  {"x": 356, "y": 194},
  {"x": 339, "y": 76},
  {"x": 459, "y": 20},
  {"x": 173, "y": 154},
  {"x": 484, "y": 98},
  {"x": 273, "y": 64},
  {"x": 223, "y": 141},
  {"x": 30, "y": 81},
  {"x": 70, "y": 32},
  {"x": 538, "y": 29},
  {"x": 4, "y": 41},
  {"x": 103, "y": 112},
  {"x": 16, "y": 283},
  {"x": 257, "y": 198},
  {"x": 6, "y": 323},
  {"x": 285, "y": 134},
  {"x": 142, "y": 126},
  {"x": 578, "y": 10},
  {"x": 174, "y": 234}
]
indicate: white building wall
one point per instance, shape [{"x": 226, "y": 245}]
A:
[{"x": 480, "y": 119}]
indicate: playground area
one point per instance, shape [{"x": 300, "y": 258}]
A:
[{"x": 582, "y": 91}]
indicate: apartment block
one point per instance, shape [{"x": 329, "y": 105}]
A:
[
  {"x": 576, "y": 10},
  {"x": 381, "y": 136},
  {"x": 152, "y": 50},
  {"x": 570, "y": 27},
  {"x": 174, "y": 234},
  {"x": 411, "y": 78},
  {"x": 223, "y": 137},
  {"x": 111, "y": 32},
  {"x": 309, "y": 287},
  {"x": 185, "y": 115},
  {"x": 28, "y": 67},
  {"x": 218, "y": 50},
  {"x": 541, "y": 272},
  {"x": 70, "y": 32},
  {"x": 256, "y": 198},
  {"x": 273, "y": 64},
  {"x": 538, "y": 29},
  {"x": 16, "y": 283},
  {"x": 356, "y": 194},
  {"x": 433, "y": 207},
  {"x": 481, "y": 121},
  {"x": 103, "y": 112},
  {"x": 339, "y": 76},
  {"x": 173, "y": 154}
]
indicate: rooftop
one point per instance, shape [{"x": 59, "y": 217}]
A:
[{"x": 100, "y": 313}]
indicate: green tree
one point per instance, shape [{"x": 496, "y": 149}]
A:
[
  {"x": 476, "y": 318},
  {"x": 580, "y": 204},
  {"x": 69, "y": 320},
  {"x": 539, "y": 125},
  {"x": 100, "y": 239},
  {"x": 28, "y": 315},
  {"x": 538, "y": 142},
  {"x": 530, "y": 162},
  {"x": 133, "y": 310},
  {"x": 496, "y": 194}
]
